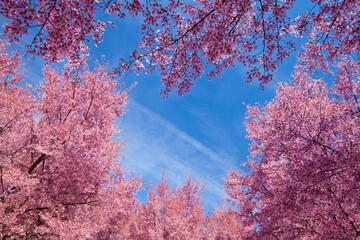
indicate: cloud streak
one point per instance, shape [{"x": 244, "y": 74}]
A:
[
  {"x": 153, "y": 143},
  {"x": 214, "y": 157}
]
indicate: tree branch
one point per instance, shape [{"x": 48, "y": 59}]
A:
[
  {"x": 345, "y": 213},
  {"x": 38, "y": 208},
  {"x": 1, "y": 179},
  {"x": 79, "y": 203},
  {"x": 192, "y": 28},
  {"x": 324, "y": 178},
  {"x": 37, "y": 162},
  {"x": 2, "y": 129},
  {"x": 91, "y": 100}
]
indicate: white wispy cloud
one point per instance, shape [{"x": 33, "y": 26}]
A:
[
  {"x": 213, "y": 157},
  {"x": 153, "y": 143}
]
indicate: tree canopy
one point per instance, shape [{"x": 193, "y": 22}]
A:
[{"x": 59, "y": 172}]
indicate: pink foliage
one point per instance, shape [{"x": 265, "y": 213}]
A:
[
  {"x": 186, "y": 39},
  {"x": 60, "y": 26},
  {"x": 225, "y": 224},
  {"x": 58, "y": 157},
  {"x": 304, "y": 176},
  {"x": 172, "y": 213},
  {"x": 59, "y": 175}
]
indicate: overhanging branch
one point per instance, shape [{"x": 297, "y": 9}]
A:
[{"x": 37, "y": 162}]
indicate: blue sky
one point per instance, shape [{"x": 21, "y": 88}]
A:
[
  {"x": 201, "y": 133},
  {"x": 198, "y": 134}
]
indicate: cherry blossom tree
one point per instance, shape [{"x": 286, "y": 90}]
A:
[
  {"x": 225, "y": 224},
  {"x": 187, "y": 39},
  {"x": 59, "y": 173},
  {"x": 172, "y": 213},
  {"x": 304, "y": 173}
]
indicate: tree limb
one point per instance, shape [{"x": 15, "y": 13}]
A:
[{"x": 37, "y": 162}]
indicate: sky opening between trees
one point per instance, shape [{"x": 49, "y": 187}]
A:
[{"x": 60, "y": 171}]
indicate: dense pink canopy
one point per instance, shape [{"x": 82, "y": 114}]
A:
[
  {"x": 186, "y": 40},
  {"x": 305, "y": 175},
  {"x": 59, "y": 171}
]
